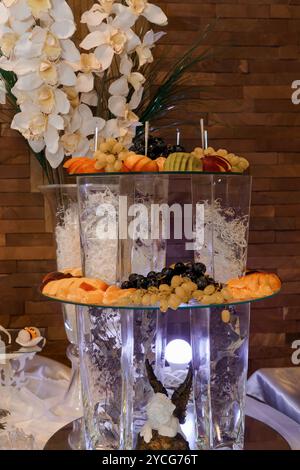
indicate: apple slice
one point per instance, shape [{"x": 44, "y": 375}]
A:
[{"x": 216, "y": 163}]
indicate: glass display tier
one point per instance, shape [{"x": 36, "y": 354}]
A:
[
  {"x": 160, "y": 173},
  {"x": 121, "y": 397},
  {"x": 192, "y": 304}
]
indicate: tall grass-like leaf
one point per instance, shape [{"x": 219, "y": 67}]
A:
[{"x": 171, "y": 91}]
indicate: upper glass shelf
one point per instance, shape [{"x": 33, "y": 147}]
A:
[
  {"x": 192, "y": 304},
  {"x": 161, "y": 173}
]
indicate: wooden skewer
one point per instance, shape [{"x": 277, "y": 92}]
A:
[
  {"x": 177, "y": 136},
  {"x": 96, "y": 138},
  {"x": 205, "y": 139}
]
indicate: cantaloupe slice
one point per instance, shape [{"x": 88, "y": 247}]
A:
[
  {"x": 141, "y": 164},
  {"x": 69, "y": 162},
  {"x": 131, "y": 161},
  {"x": 74, "y": 167},
  {"x": 88, "y": 167},
  {"x": 114, "y": 295},
  {"x": 151, "y": 166},
  {"x": 160, "y": 161}
]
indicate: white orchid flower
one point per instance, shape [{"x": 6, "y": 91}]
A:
[
  {"x": 108, "y": 41},
  {"x": 9, "y": 3},
  {"x": 48, "y": 72},
  {"x": 56, "y": 158},
  {"x": 119, "y": 129},
  {"x": 87, "y": 65},
  {"x": 31, "y": 43},
  {"x": 66, "y": 74},
  {"x": 7, "y": 42},
  {"x": 30, "y": 122},
  {"x": 135, "y": 79},
  {"x": 20, "y": 10},
  {"x": 52, "y": 100},
  {"x": 128, "y": 15},
  {"x": 98, "y": 13},
  {"x": 69, "y": 51},
  {"x": 72, "y": 95},
  {"x": 21, "y": 27},
  {"x": 41, "y": 131},
  {"x": 85, "y": 82},
  {"x": 64, "y": 26},
  {"x": 143, "y": 50},
  {"x": 120, "y": 108},
  {"x": 2, "y": 91},
  {"x": 120, "y": 86},
  {"x": 90, "y": 98},
  {"x": 38, "y": 7},
  {"x": 82, "y": 125}
]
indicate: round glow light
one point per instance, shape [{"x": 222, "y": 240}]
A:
[{"x": 178, "y": 351}]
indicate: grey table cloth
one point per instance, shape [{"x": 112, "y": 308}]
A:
[{"x": 279, "y": 388}]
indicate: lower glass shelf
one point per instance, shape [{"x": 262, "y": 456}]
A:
[{"x": 191, "y": 304}]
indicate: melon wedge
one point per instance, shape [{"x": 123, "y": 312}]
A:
[
  {"x": 114, "y": 295},
  {"x": 69, "y": 162},
  {"x": 131, "y": 161}
]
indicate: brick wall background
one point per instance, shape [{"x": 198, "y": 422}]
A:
[{"x": 243, "y": 92}]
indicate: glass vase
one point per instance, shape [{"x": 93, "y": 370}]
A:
[
  {"x": 62, "y": 201},
  {"x": 194, "y": 217}
]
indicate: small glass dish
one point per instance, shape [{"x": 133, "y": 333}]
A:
[{"x": 13, "y": 360}]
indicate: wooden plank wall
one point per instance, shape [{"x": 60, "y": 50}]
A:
[{"x": 244, "y": 94}]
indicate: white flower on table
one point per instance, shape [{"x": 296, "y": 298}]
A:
[{"x": 160, "y": 418}]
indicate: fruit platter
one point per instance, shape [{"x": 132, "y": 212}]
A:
[
  {"x": 181, "y": 285},
  {"x": 112, "y": 157}
]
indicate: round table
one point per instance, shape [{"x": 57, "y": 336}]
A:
[{"x": 258, "y": 436}]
